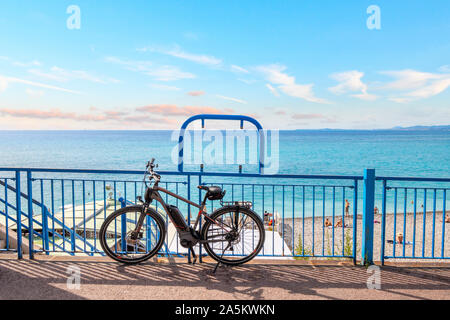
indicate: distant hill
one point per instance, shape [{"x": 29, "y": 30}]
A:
[
  {"x": 414, "y": 128},
  {"x": 424, "y": 128}
]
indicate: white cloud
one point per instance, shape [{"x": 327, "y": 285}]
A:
[
  {"x": 33, "y": 63},
  {"x": 445, "y": 68},
  {"x": 5, "y": 81},
  {"x": 231, "y": 99},
  {"x": 238, "y": 69},
  {"x": 247, "y": 81},
  {"x": 169, "y": 73},
  {"x": 408, "y": 79},
  {"x": 161, "y": 73},
  {"x": 274, "y": 74},
  {"x": 34, "y": 93},
  {"x": 350, "y": 81},
  {"x": 64, "y": 75},
  {"x": 177, "y": 52},
  {"x": 163, "y": 87},
  {"x": 416, "y": 84},
  {"x": 273, "y": 90}
]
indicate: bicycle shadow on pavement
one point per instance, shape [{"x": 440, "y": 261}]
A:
[{"x": 25, "y": 279}]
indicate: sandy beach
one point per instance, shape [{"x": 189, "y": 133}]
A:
[{"x": 299, "y": 229}]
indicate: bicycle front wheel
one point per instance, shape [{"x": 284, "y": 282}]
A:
[
  {"x": 121, "y": 242},
  {"x": 233, "y": 235}
]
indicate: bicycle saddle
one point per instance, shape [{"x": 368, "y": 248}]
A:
[{"x": 213, "y": 192}]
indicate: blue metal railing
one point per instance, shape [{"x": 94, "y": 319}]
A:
[{"x": 61, "y": 210}]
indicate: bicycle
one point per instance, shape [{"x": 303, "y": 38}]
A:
[{"x": 232, "y": 235}]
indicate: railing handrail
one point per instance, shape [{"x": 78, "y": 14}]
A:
[
  {"x": 228, "y": 174},
  {"x": 412, "y": 179},
  {"x": 187, "y": 173}
]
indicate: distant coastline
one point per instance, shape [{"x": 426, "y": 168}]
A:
[{"x": 413, "y": 128}]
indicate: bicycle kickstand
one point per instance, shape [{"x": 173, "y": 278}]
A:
[
  {"x": 194, "y": 256},
  {"x": 218, "y": 263},
  {"x": 215, "y": 268}
]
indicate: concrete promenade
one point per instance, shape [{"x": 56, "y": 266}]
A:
[{"x": 46, "y": 278}]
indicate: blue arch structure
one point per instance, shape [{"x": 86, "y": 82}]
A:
[{"x": 204, "y": 117}]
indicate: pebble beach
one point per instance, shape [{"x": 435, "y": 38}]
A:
[{"x": 298, "y": 234}]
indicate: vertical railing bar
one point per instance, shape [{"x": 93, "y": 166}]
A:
[
  {"x": 424, "y": 220},
  {"x": 124, "y": 221},
  {"x": 404, "y": 219},
  {"x": 303, "y": 222},
  {"x": 334, "y": 209},
  {"x": 343, "y": 221},
  {"x": 104, "y": 199},
  {"x": 84, "y": 213},
  {"x": 395, "y": 220},
  {"x": 243, "y": 236},
  {"x": 313, "y": 217},
  {"x": 434, "y": 223},
  {"x": 383, "y": 222},
  {"x": 323, "y": 220},
  {"x": 73, "y": 217},
  {"x": 444, "y": 216},
  {"x": 189, "y": 210},
  {"x": 176, "y": 235},
  {"x": 63, "y": 215},
  {"x": 7, "y": 214},
  {"x": 273, "y": 220},
  {"x": 414, "y": 226},
  {"x": 95, "y": 215},
  {"x": 200, "y": 255},
  {"x": 53, "y": 212},
  {"x": 44, "y": 220},
  {"x": 355, "y": 219},
  {"x": 19, "y": 216},
  {"x": 30, "y": 215},
  {"x": 253, "y": 224},
  {"x": 264, "y": 212},
  {"x": 282, "y": 226}
]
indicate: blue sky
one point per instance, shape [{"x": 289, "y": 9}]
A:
[{"x": 291, "y": 64}]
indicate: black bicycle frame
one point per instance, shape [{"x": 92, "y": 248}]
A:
[{"x": 154, "y": 195}]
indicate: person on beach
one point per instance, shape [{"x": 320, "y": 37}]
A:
[
  {"x": 375, "y": 211},
  {"x": 328, "y": 223},
  {"x": 338, "y": 224},
  {"x": 447, "y": 219},
  {"x": 347, "y": 208},
  {"x": 399, "y": 237}
]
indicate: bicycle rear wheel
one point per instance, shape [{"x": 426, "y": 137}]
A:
[
  {"x": 120, "y": 242},
  {"x": 233, "y": 236}
]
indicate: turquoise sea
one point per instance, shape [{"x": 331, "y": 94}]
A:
[{"x": 390, "y": 152}]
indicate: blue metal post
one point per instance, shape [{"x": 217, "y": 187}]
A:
[
  {"x": 368, "y": 216},
  {"x": 123, "y": 204},
  {"x": 19, "y": 216}
]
